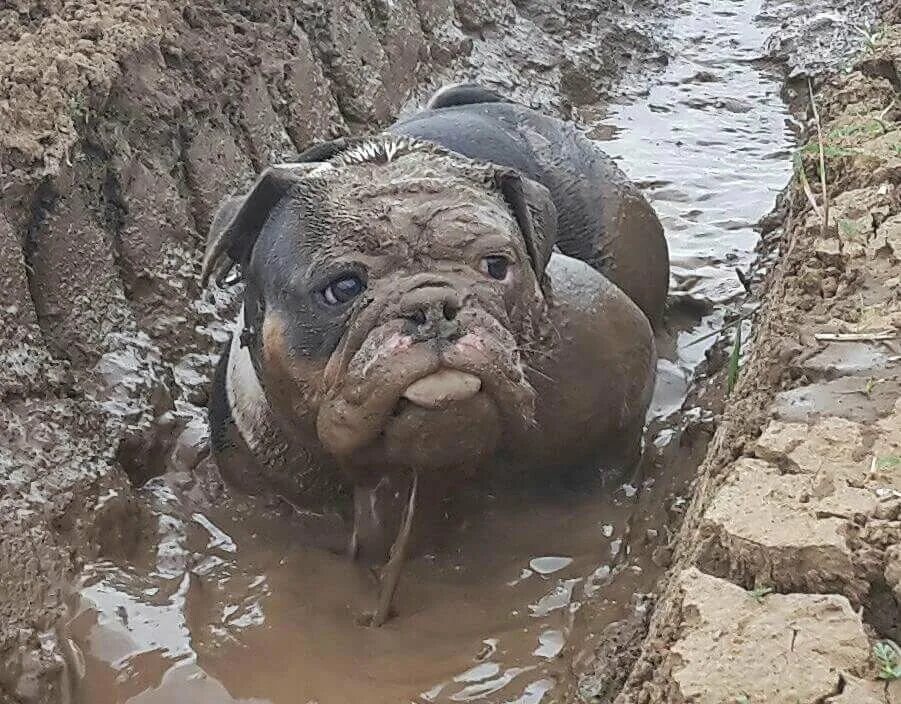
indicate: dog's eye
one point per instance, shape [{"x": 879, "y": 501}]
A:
[
  {"x": 343, "y": 289},
  {"x": 497, "y": 267}
]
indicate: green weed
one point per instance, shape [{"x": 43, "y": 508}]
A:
[
  {"x": 888, "y": 658},
  {"x": 830, "y": 150},
  {"x": 734, "y": 358},
  {"x": 871, "y": 38},
  {"x": 78, "y": 109},
  {"x": 870, "y": 128},
  {"x": 849, "y": 228},
  {"x": 889, "y": 462},
  {"x": 871, "y": 385},
  {"x": 760, "y": 593}
]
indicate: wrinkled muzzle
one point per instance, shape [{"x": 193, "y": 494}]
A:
[{"x": 428, "y": 378}]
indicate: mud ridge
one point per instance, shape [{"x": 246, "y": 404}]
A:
[{"x": 786, "y": 568}]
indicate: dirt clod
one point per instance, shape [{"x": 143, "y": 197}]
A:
[{"x": 781, "y": 649}]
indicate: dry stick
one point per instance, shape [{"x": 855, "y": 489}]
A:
[
  {"x": 720, "y": 330},
  {"x": 392, "y": 569},
  {"x": 808, "y": 191},
  {"x": 872, "y": 336},
  {"x": 824, "y": 220}
]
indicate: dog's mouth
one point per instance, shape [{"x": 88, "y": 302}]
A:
[
  {"x": 442, "y": 388},
  {"x": 443, "y": 420},
  {"x": 425, "y": 405}
]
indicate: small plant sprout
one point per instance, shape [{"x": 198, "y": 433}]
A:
[
  {"x": 734, "y": 358},
  {"x": 888, "y": 462},
  {"x": 888, "y": 659},
  {"x": 849, "y": 228},
  {"x": 871, "y": 38},
  {"x": 833, "y": 151},
  {"x": 760, "y": 593},
  {"x": 869, "y": 128},
  {"x": 871, "y": 384},
  {"x": 742, "y": 699}
]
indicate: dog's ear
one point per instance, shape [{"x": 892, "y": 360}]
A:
[
  {"x": 238, "y": 221},
  {"x": 535, "y": 213},
  {"x": 322, "y": 151}
]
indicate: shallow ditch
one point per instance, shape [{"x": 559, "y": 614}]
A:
[
  {"x": 229, "y": 605},
  {"x": 539, "y": 594}
]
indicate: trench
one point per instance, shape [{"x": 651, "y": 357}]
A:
[{"x": 228, "y": 600}]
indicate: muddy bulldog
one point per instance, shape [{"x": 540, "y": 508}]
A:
[{"x": 468, "y": 295}]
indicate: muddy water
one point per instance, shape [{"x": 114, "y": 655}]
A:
[
  {"x": 710, "y": 146},
  {"x": 230, "y": 601}
]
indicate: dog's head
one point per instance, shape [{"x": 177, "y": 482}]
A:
[{"x": 394, "y": 295}]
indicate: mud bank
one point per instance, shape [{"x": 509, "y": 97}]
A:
[
  {"x": 786, "y": 570},
  {"x": 124, "y": 124}
]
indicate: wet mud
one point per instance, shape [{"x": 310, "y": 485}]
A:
[
  {"x": 124, "y": 125},
  {"x": 511, "y": 602},
  {"x": 129, "y": 573}
]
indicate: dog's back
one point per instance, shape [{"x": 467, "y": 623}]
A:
[
  {"x": 463, "y": 94},
  {"x": 602, "y": 218}
]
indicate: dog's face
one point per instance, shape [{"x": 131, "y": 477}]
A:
[{"x": 393, "y": 298}]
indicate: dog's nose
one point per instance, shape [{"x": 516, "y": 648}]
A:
[
  {"x": 431, "y": 312},
  {"x": 425, "y": 312}
]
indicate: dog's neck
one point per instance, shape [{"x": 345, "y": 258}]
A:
[
  {"x": 295, "y": 471},
  {"x": 246, "y": 398}
]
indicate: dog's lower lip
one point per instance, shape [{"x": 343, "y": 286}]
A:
[
  {"x": 402, "y": 405},
  {"x": 442, "y": 387}
]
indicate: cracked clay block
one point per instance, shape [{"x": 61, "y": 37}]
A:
[
  {"x": 857, "y": 691},
  {"x": 784, "y": 531},
  {"x": 801, "y": 448},
  {"x": 783, "y": 649}
]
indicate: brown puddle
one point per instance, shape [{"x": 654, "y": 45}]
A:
[
  {"x": 235, "y": 608},
  {"x": 229, "y": 605}
]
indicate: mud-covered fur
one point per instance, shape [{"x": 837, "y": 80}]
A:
[
  {"x": 602, "y": 218},
  {"x": 316, "y": 391},
  {"x": 404, "y": 214}
]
